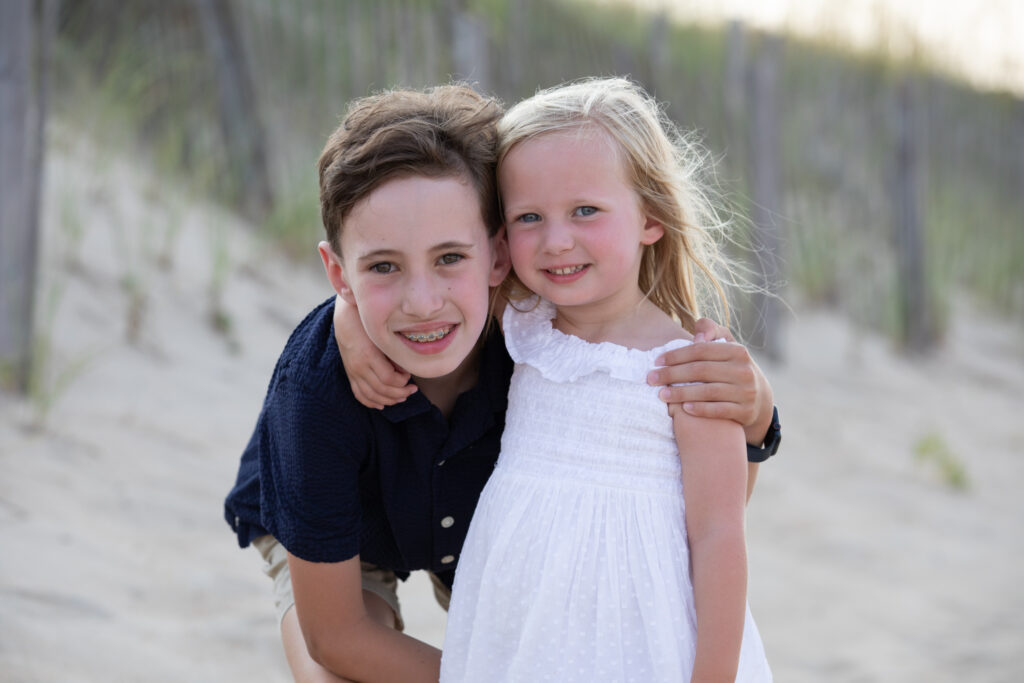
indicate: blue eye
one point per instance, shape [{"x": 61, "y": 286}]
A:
[
  {"x": 449, "y": 259},
  {"x": 585, "y": 211},
  {"x": 382, "y": 268},
  {"x": 529, "y": 218}
]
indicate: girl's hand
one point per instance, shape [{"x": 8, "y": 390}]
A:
[
  {"x": 376, "y": 381},
  {"x": 720, "y": 381}
]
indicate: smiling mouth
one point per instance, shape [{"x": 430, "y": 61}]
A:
[
  {"x": 424, "y": 337},
  {"x": 566, "y": 271}
]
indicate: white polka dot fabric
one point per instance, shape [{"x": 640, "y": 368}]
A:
[{"x": 576, "y": 567}]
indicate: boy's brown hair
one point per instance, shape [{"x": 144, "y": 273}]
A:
[{"x": 443, "y": 131}]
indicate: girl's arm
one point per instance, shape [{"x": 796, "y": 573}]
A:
[
  {"x": 714, "y": 486},
  {"x": 343, "y": 637},
  {"x": 376, "y": 381},
  {"x": 729, "y": 384}
]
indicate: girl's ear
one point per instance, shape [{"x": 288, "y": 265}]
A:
[
  {"x": 653, "y": 231},
  {"x": 501, "y": 261},
  {"x": 335, "y": 273}
]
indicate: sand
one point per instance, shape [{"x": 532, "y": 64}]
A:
[{"x": 116, "y": 564}]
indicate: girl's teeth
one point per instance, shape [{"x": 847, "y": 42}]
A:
[
  {"x": 566, "y": 271},
  {"x": 429, "y": 336}
]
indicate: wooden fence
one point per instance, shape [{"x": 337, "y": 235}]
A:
[
  {"x": 874, "y": 188},
  {"x": 26, "y": 31}
]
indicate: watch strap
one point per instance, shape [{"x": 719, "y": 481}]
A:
[{"x": 770, "y": 445}]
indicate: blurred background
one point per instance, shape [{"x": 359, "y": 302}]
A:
[{"x": 158, "y": 200}]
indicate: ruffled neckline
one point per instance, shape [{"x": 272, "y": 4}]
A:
[{"x": 532, "y": 339}]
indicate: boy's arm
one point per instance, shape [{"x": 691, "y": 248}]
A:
[
  {"x": 751, "y": 478},
  {"x": 714, "y": 486},
  {"x": 375, "y": 380},
  {"x": 340, "y": 634},
  {"x": 718, "y": 381}
]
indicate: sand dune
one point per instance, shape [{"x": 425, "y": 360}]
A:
[{"x": 115, "y": 563}]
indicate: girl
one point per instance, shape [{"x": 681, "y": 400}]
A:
[{"x": 582, "y": 562}]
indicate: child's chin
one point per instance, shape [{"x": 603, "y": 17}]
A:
[{"x": 431, "y": 369}]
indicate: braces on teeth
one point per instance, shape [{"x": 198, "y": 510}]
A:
[{"x": 429, "y": 337}]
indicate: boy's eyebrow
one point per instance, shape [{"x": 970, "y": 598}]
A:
[
  {"x": 453, "y": 244},
  {"x": 378, "y": 254}
]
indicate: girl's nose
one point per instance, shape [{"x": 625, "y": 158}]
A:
[{"x": 558, "y": 237}]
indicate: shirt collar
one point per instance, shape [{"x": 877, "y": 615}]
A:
[{"x": 410, "y": 407}]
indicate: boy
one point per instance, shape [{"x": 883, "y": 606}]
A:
[{"x": 343, "y": 500}]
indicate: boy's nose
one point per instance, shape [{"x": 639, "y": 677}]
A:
[{"x": 423, "y": 298}]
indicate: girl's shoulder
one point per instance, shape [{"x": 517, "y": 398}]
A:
[{"x": 656, "y": 329}]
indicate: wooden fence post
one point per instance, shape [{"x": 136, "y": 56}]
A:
[
  {"x": 470, "y": 56},
  {"x": 734, "y": 95},
  {"x": 1017, "y": 128},
  {"x": 239, "y": 111},
  {"x": 517, "y": 41},
  {"x": 24, "y": 53},
  {"x": 357, "y": 52},
  {"x": 917, "y": 328},
  {"x": 658, "y": 53},
  {"x": 766, "y": 195}
]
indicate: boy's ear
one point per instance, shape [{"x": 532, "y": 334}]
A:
[
  {"x": 501, "y": 261},
  {"x": 335, "y": 273},
  {"x": 653, "y": 231}
]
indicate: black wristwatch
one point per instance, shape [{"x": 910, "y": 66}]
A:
[{"x": 771, "y": 441}]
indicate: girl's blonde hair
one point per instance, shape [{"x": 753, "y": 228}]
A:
[{"x": 683, "y": 272}]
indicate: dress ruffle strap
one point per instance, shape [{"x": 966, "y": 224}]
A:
[{"x": 532, "y": 339}]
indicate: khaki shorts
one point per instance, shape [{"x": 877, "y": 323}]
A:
[{"x": 381, "y": 582}]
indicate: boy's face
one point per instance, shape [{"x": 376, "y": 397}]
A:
[{"x": 417, "y": 262}]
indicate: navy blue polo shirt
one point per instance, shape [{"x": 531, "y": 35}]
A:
[{"x": 330, "y": 478}]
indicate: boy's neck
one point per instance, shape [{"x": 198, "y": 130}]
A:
[{"x": 444, "y": 391}]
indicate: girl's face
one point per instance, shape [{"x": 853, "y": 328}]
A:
[
  {"x": 417, "y": 262},
  {"x": 576, "y": 228}
]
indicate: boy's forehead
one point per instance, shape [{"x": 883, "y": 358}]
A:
[
  {"x": 414, "y": 212},
  {"x": 415, "y": 188}
]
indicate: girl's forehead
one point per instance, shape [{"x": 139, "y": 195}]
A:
[
  {"x": 575, "y": 153},
  {"x": 585, "y": 137}
]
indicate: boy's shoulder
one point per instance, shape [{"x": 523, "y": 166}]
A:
[{"x": 310, "y": 357}]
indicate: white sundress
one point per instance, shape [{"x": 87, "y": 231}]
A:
[{"x": 576, "y": 565}]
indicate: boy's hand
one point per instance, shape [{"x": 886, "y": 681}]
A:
[
  {"x": 376, "y": 381},
  {"x": 721, "y": 381}
]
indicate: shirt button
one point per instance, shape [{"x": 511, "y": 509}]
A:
[
  {"x": 441, "y": 463},
  {"x": 447, "y": 522},
  {"x": 447, "y": 559}
]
